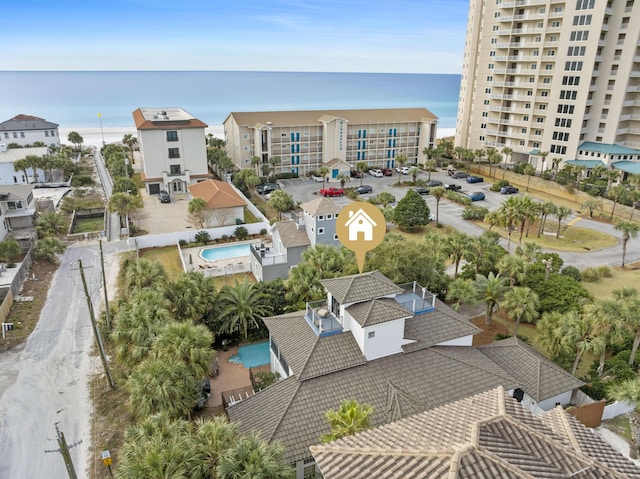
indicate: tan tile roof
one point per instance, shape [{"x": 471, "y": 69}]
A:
[
  {"x": 315, "y": 117},
  {"x": 539, "y": 377},
  {"x": 360, "y": 287},
  {"x": 435, "y": 327},
  {"x": 488, "y": 435},
  {"x": 321, "y": 206},
  {"x": 377, "y": 311},
  {"x": 182, "y": 121},
  {"x": 290, "y": 235},
  {"x": 217, "y": 194}
]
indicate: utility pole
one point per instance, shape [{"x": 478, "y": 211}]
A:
[
  {"x": 104, "y": 285},
  {"x": 96, "y": 331},
  {"x": 64, "y": 450}
]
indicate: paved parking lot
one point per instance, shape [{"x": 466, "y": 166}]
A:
[{"x": 158, "y": 218}]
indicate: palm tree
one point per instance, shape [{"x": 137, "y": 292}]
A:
[
  {"x": 561, "y": 213},
  {"x": 543, "y": 157},
  {"x": 506, "y": 151},
  {"x": 629, "y": 230},
  {"x": 513, "y": 267},
  {"x": 75, "y": 138},
  {"x": 51, "y": 223},
  {"x": 483, "y": 252},
  {"x": 281, "y": 201},
  {"x": 255, "y": 162},
  {"x": 124, "y": 205},
  {"x": 490, "y": 290},
  {"x": 630, "y": 316},
  {"x": 529, "y": 252},
  {"x": 529, "y": 170},
  {"x": 629, "y": 391},
  {"x": 456, "y": 245},
  {"x": 547, "y": 208},
  {"x": 323, "y": 171},
  {"x": 493, "y": 157},
  {"x": 187, "y": 343},
  {"x": 592, "y": 204},
  {"x": 550, "y": 333},
  {"x": 275, "y": 162},
  {"x": 438, "y": 193},
  {"x": 461, "y": 291},
  {"x": 616, "y": 194},
  {"x": 187, "y": 297},
  {"x": 244, "y": 307},
  {"x": 361, "y": 166},
  {"x": 22, "y": 165},
  {"x": 521, "y": 303},
  {"x": 252, "y": 458},
  {"x": 580, "y": 336},
  {"x": 157, "y": 386},
  {"x": 213, "y": 437},
  {"x": 197, "y": 208},
  {"x": 413, "y": 172},
  {"x": 607, "y": 317},
  {"x": 349, "y": 419},
  {"x": 343, "y": 178},
  {"x": 401, "y": 159},
  {"x": 131, "y": 142},
  {"x": 143, "y": 273},
  {"x": 492, "y": 218}
]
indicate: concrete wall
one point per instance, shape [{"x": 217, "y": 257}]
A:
[{"x": 616, "y": 409}]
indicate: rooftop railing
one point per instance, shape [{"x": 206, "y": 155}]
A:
[{"x": 321, "y": 319}]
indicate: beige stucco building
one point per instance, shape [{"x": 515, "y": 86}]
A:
[
  {"x": 306, "y": 140},
  {"x": 173, "y": 149},
  {"x": 547, "y": 76}
]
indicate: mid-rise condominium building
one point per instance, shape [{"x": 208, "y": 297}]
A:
[
  {"x": 338, "y": 139},
  {"x": 548, "y": 76},
  {"x": 173, "y": 149}
]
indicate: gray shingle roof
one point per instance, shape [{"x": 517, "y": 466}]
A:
[
  {"x": 539, "y": 377},
  {"x": 396, "y": 386},
  {"x": 321, "y": 206},
  {"x": 290, "y": 235},
  {"x": 360, "y": 287},
  {"x": 377, "y": 311},
  {"x": 435, "y": 327},
  {"x": 25, "y": 123},
  {"x": 488, "y": 435}
]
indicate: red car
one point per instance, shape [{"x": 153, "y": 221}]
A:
[
  {"x": 387, "y": 172},
  {"x": 332, "y": 192}
]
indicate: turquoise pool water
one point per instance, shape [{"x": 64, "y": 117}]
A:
[
  {"x": 225, "y": 252},
  {"x": 252, "y": 355}
]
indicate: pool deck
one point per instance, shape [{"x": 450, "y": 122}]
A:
[
  {"x": 230, "y": 376},
  {"x": 195, "y": 262}
]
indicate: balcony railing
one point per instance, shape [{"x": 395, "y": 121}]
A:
[
  {"x": 416, "y": 298},
  {"x": 321, "y": 319},
  {"x": 266, "y": 256}
]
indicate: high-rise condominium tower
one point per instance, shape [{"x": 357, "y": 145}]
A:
[{"x": 550, "y": 76}]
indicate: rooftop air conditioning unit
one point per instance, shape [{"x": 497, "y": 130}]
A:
[
  {"x": 269, "y": 123},
  {"x": 3, "y": 147}
]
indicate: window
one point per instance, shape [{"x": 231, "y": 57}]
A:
[
  {"x": 580, "y": 36},
  {"x": 320, "y": 231},
  {"x": 53, "y": 133},
  {"x": 321, "y": 218},
  {"x": 573, "y": 66},
  {"x": 174, "y": 169},
  {"x": 46, "y": 133},
  {"x": 585, "y": 4},
  {"x": 576, "y": 51},
  {"x": 568, "y": 94},
  {"x": 371, "y": 334},
  {"x": 15, "y": 134},
  {"x": 14, "y": 205},
  {"x": 22, "y": 134},
  {"x": 563, "y": 122},
  {"x": 174, "y": 152},
  {"x": 172, "y": 135},
  {"x": 582, "y": 20}
]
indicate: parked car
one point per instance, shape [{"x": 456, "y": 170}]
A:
[
  {"x": 164, "y": 197},
  {"x": 377, "y": 173},
  {"x": 421, "y": 191},
  {"x": 265, "y": 188},
  {"x": 433, "y": 183},
  {"x": 404, "y": 170},
  {"x": 508, "y": 190},
  {"x": 432, "y": 217},
  {"x": 387, "y": 171},
  {"x": 355, "y": 174},
  {"x": 476, "y": 196},
  {"x": 452, "y": 187},
  {"x": 319, "y": 179},
  {"x": 332, "y": 192},
  {"x": 364, "y": 189},
  {"x": 474, "y": 179},
  {"x": 459, "y": 174}
]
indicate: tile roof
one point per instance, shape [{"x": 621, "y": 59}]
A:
[
  {"x": 321, "y": 206},
  {"x": 15, "y": 192},
  {"x": 632, "y": 167},
  {"x": 539, "y": 377},
  {"x": 14, "y": 154},
  {"x": 26, "y": 122},
  {"x": 360, "y": 287},
  {"x": 585, "y": 163},
  {"x": 377, "y": 311},
  {"x": 315, "y": 117},
  {"x": 607, "y": 148},
  {"x": 290, "y": 235},
  {"x": 396, "y": 386},
  {"x": 218, "y": 194},
  {"x": 435, "y": 327},
  {"x": 176, "y": 118},
  {"x": 488, "y": 435}
]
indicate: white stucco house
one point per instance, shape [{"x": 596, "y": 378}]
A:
[
  {"x": 225, "y": 207},
  {"x": 172, "y": 147},
  {"x": 25, "y": 130}
]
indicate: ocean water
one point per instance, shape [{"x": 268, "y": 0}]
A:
[{"x": 74, "y": 99}]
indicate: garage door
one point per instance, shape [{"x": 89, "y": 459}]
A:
[{"x": 154, "y": 189}]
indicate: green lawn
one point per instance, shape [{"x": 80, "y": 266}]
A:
[
  {"x": 86, "y": 225},
  {"x": 168, "y": 257},
  {"x": 621, "y": 278}
]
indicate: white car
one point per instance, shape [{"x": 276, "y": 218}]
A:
[
  {"x": 316, "y": 178},
  {"x": 403, "y": 170},
  {"x": 377, "y": 173}
]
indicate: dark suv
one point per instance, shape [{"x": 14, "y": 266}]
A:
[
  {"x": 164, "y": 197},
  {"x": 266, "y": 188}
]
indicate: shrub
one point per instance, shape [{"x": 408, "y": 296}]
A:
[
  {"x": 498, "y": 184},
  {"x": 558, "y": 293},
  {"x": 522, "y": 338},
  {"x": 202, "y": 237},
  {"x": 573, "y": 272},
  {"x": 287, "y": 176},
  {"x": 263, "y": 232},
  {"x": 224, "y": 238},
  {"x": 590, "y": 275},
  {"x": 265, "y": 379},
  {"x": 241, "y": 233},
  {"x": 472, "y": 212},
  {"x": 604, "y": 272},
  {"x": 82, "y": 180},
  {"x": 546, "y": 174}
]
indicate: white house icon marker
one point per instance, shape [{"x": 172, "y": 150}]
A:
[{"x": 360, "y": 222}]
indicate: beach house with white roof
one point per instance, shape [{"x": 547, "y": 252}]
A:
[
  {"x": 172, "y": 147},
  {"x": 25, "y": 130},
  {"x": 337, "y": 139},
  {"x": 396, "y": 347},
  {"x": 8, "y": 158}
]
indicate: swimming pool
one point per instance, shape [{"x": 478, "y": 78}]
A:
[
  {"x": 226, "y": 252},
  {"x": 252, "y": 355}
]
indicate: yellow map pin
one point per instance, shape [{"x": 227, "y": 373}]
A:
[{"x": 361, "y": 227}]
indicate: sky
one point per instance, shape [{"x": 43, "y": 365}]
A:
[{"x": 394, "y": 36}]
